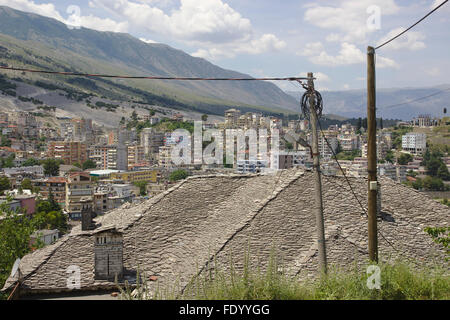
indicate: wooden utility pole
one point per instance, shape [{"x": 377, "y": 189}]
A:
[
  {"x": 318, "y": 182},
  {"x": 372, "y": 156}
]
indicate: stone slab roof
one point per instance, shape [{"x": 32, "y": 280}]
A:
[{"x": 178, "y": 233}]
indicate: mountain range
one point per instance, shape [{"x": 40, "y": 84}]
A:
[
  {"x": 30, "y": 40},
  {"x": 396, "y": 103}
]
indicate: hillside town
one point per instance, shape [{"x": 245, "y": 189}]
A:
[{"x": 81, "y": 166}]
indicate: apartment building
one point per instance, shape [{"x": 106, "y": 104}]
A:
[
  {"x": 68, "y": 151},
  {"x": 79, "y": 192},
  {"x": 231, "y": 118},
  {"x": 324, "y": 148},
  {"x": 136, "y": 155},
  {"x": 415, "y": 143},
  {"x": 113, "y": 157},
  {"x": 55, "y": 185},
  {"x": 151, "y": 140},
  {"x": 165, "y": 159}
]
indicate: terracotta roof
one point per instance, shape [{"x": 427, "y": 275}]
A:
[
  {"x": 56, "y": 179},
  {"x": 9, "y": 149},
  {"x": 205, "y": 219}
]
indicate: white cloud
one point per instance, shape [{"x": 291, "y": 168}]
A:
[
  {"x": 100, "y": 24},
  {"x": 266, "y": 43},
  {"x": 147, "y": 40},
  {"x": 320, "y": 77},
  {"x": 49, "y": 10},
  {"x": 348, "y": 19},
  {"x": 410, "y": 40},
  {"x": 45, "y": 9},
  {"x": 436, "y": 3},
  {"x": 348, "y": 54},
  {"x": 212, "y": 25},
  {"x": 201, "y": 20}
]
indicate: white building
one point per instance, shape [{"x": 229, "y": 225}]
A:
[
  {"x": 415, "y": 143},
  {"x": 324, "y": 149}
]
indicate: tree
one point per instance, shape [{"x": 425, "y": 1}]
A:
[
  {"x": 142, "y": 185},
  {"x": 359, "y": 124},
  {"x": 404, "y": 159},
  {"x": 8, "y": 162},
  {"x": 152, "y": 112},
  {"x": 15, "y": 231},
  {"x": 440, "y": 235},
  {"x": 204, "y": 117},
  {"x": 381, "y": 123},
  {"x": 289, "y": 146},
  {"x": 390, "y": 156},
  {"x": 433, "y": 166},
  {"x": 178, "y": 175},
  {"x": 411, "y": 173},
  {"x": 30, "y": 162},
  {"x": 134, "y": 116},
  {"x": 48, "y": 205},
  {"x": 77, "y": 164},
  {"x": 364, "y": 123},
  {"x": 89, "y": 164},
  {"x": 5, "y": 142},
  {"x": 5, "y": 184},
  {"x": 433, "y": 184},
  {"x": 443, "y": 172},
  {"x": 50, "y": 220},
  {"x": 418, "y": 184},
  {"x": 339, "y": 148},
  {"x": 26, "y": 184},
  {"x": 51, "y": 167}
]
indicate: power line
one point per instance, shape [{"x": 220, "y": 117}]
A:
[
  {"x": 150, "y": 77},
  {"x": 415, "y": 100},
  {"x": 401, "y": 33},
  {"x": 342, "y": 170},
  {"x": 354, "y": 193}
]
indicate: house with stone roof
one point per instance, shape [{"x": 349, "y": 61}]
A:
[{"x": 206, "y": 220}]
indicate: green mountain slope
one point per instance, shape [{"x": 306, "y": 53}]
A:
[{"x": 35, "y": 41}]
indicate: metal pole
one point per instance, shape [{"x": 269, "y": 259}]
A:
[
  {"x": 372, "y": 156},
  {"x": 318, "y": 182}
]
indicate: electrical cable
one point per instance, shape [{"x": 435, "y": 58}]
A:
[
  {"x": 353, "y": 191},
  {"x": 401, "y": 33},
  {"x": 415, "y": 100},
  {"x": 149, "y": 77}
]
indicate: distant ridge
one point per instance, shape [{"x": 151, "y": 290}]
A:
[
  {"x": 352, "y": 103},
  {"x": 35, "y": 41}
]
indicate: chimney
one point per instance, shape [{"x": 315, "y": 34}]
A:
[
  {"x": 108, "y": 250},
  {"x": 86, "y": 215}
]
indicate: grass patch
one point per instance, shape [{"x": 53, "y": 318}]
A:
[{"x": 399, "y": 281}]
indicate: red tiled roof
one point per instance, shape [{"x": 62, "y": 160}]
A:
[
  {"x": 57, "y": 179},
  {"x": 9, "y": 149}
]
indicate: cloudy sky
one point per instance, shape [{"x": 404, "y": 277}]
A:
[{"x": 281, "y": 38}]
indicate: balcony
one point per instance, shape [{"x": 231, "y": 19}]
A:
[{"x": 81, "y": 192}]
